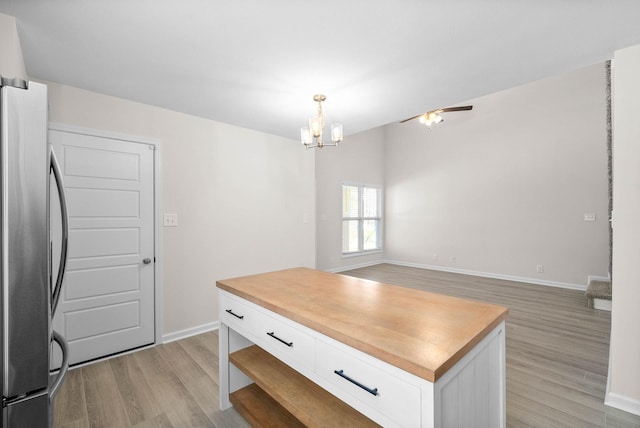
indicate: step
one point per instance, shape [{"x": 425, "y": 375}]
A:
[{"x": 599, "y": 295}]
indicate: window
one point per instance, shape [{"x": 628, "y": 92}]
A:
[{"x": 361, "y": 218}]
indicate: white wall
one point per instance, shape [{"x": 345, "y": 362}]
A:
[
  {"x": 359, "y": 159},
  {"x": 503, "y": 188},
  {"x": 240, "y": 196},
  {"x": 11, "y": 62},
  {"x": 624, "y": 359}
]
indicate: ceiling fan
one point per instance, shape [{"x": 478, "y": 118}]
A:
[{"x": 433, "y": 116}]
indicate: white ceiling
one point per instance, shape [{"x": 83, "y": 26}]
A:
[{"x": 258, "y": 63}]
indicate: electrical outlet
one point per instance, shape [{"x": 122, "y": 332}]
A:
[
  {"x": 435, "y": 257},
  {"x": 170, "y": 220},
  {"x": 540, "y": 268},
  {"x": 589, "y": 216}
]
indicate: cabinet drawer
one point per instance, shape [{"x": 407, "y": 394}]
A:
[
  {"x": 275, "y": 334},
  {"x": 291, "y": 345},
  {"x": 237, "y": 314},
  {"x": 377, "y": 389}
]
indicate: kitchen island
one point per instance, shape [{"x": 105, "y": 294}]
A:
[{"x": 333, "y": 350}]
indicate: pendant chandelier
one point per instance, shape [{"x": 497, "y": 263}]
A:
[{"x": 311, "y": 136}]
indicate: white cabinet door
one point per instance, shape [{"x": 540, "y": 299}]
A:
[{"x": 107, "y": 300}]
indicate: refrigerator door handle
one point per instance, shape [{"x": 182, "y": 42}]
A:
[
  {"x": 55, "y": 295},
  {"x": 64, "y": 367}
]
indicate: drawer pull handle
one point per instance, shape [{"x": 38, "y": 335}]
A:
[
  {"x": 289, "y": 344},
  {"x": 340, "y": 373},
  {"x": 235, "y": 315}
]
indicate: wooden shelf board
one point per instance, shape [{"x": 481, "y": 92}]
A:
[
  {"x": 306, "y": 401},
  {"x": 260, "y": 410}
]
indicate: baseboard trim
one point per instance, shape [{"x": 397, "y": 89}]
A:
[
  {"x": 598, "y": 278},
  {"x": 183, "y": 334},
  {"x": 536, "y": 281},
  {"x": 491, "y": 275},
  {"x": 356, "y": 266},
  {"x": 621, "y": 402}
]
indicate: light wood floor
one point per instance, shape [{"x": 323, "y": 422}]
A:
[
  {"x": 170, "y": 385},
  {"x": 557, "y": 353}
]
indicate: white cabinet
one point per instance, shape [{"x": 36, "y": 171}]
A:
[{"x": 470, "y": 393}]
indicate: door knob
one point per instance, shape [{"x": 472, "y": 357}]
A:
[{"x": 146, "y": 261}]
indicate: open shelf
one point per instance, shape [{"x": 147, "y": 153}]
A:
[
  {"x": 283, "y": 397},
  {"x": 260, "y": 410}
]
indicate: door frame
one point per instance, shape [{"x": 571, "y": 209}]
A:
[{"x": 157, "y": 207}]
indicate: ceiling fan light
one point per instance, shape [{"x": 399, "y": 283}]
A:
[{"x": 430, "y": 118}]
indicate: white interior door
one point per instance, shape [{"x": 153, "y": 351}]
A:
[{"x": 107, "y": 300}]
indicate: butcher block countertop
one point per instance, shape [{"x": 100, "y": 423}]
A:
[{"x": 417, "y": 331}]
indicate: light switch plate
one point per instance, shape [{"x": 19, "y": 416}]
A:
[{"x": 170, "y": 220}]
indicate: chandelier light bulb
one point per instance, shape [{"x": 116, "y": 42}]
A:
[
  {"x": 305, "y": 135},
  {"x": 336, "y": 132},
  {"x": 315, "y": 125}
]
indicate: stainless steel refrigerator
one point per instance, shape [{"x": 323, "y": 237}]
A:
[{"x": 30, "y": 291}]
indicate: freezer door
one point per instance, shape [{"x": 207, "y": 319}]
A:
[
  {"x": 27, "y": 413},
  {"x": 24, "y": 267}
]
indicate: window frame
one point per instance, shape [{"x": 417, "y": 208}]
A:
[{"x": 360, "y": 218}]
